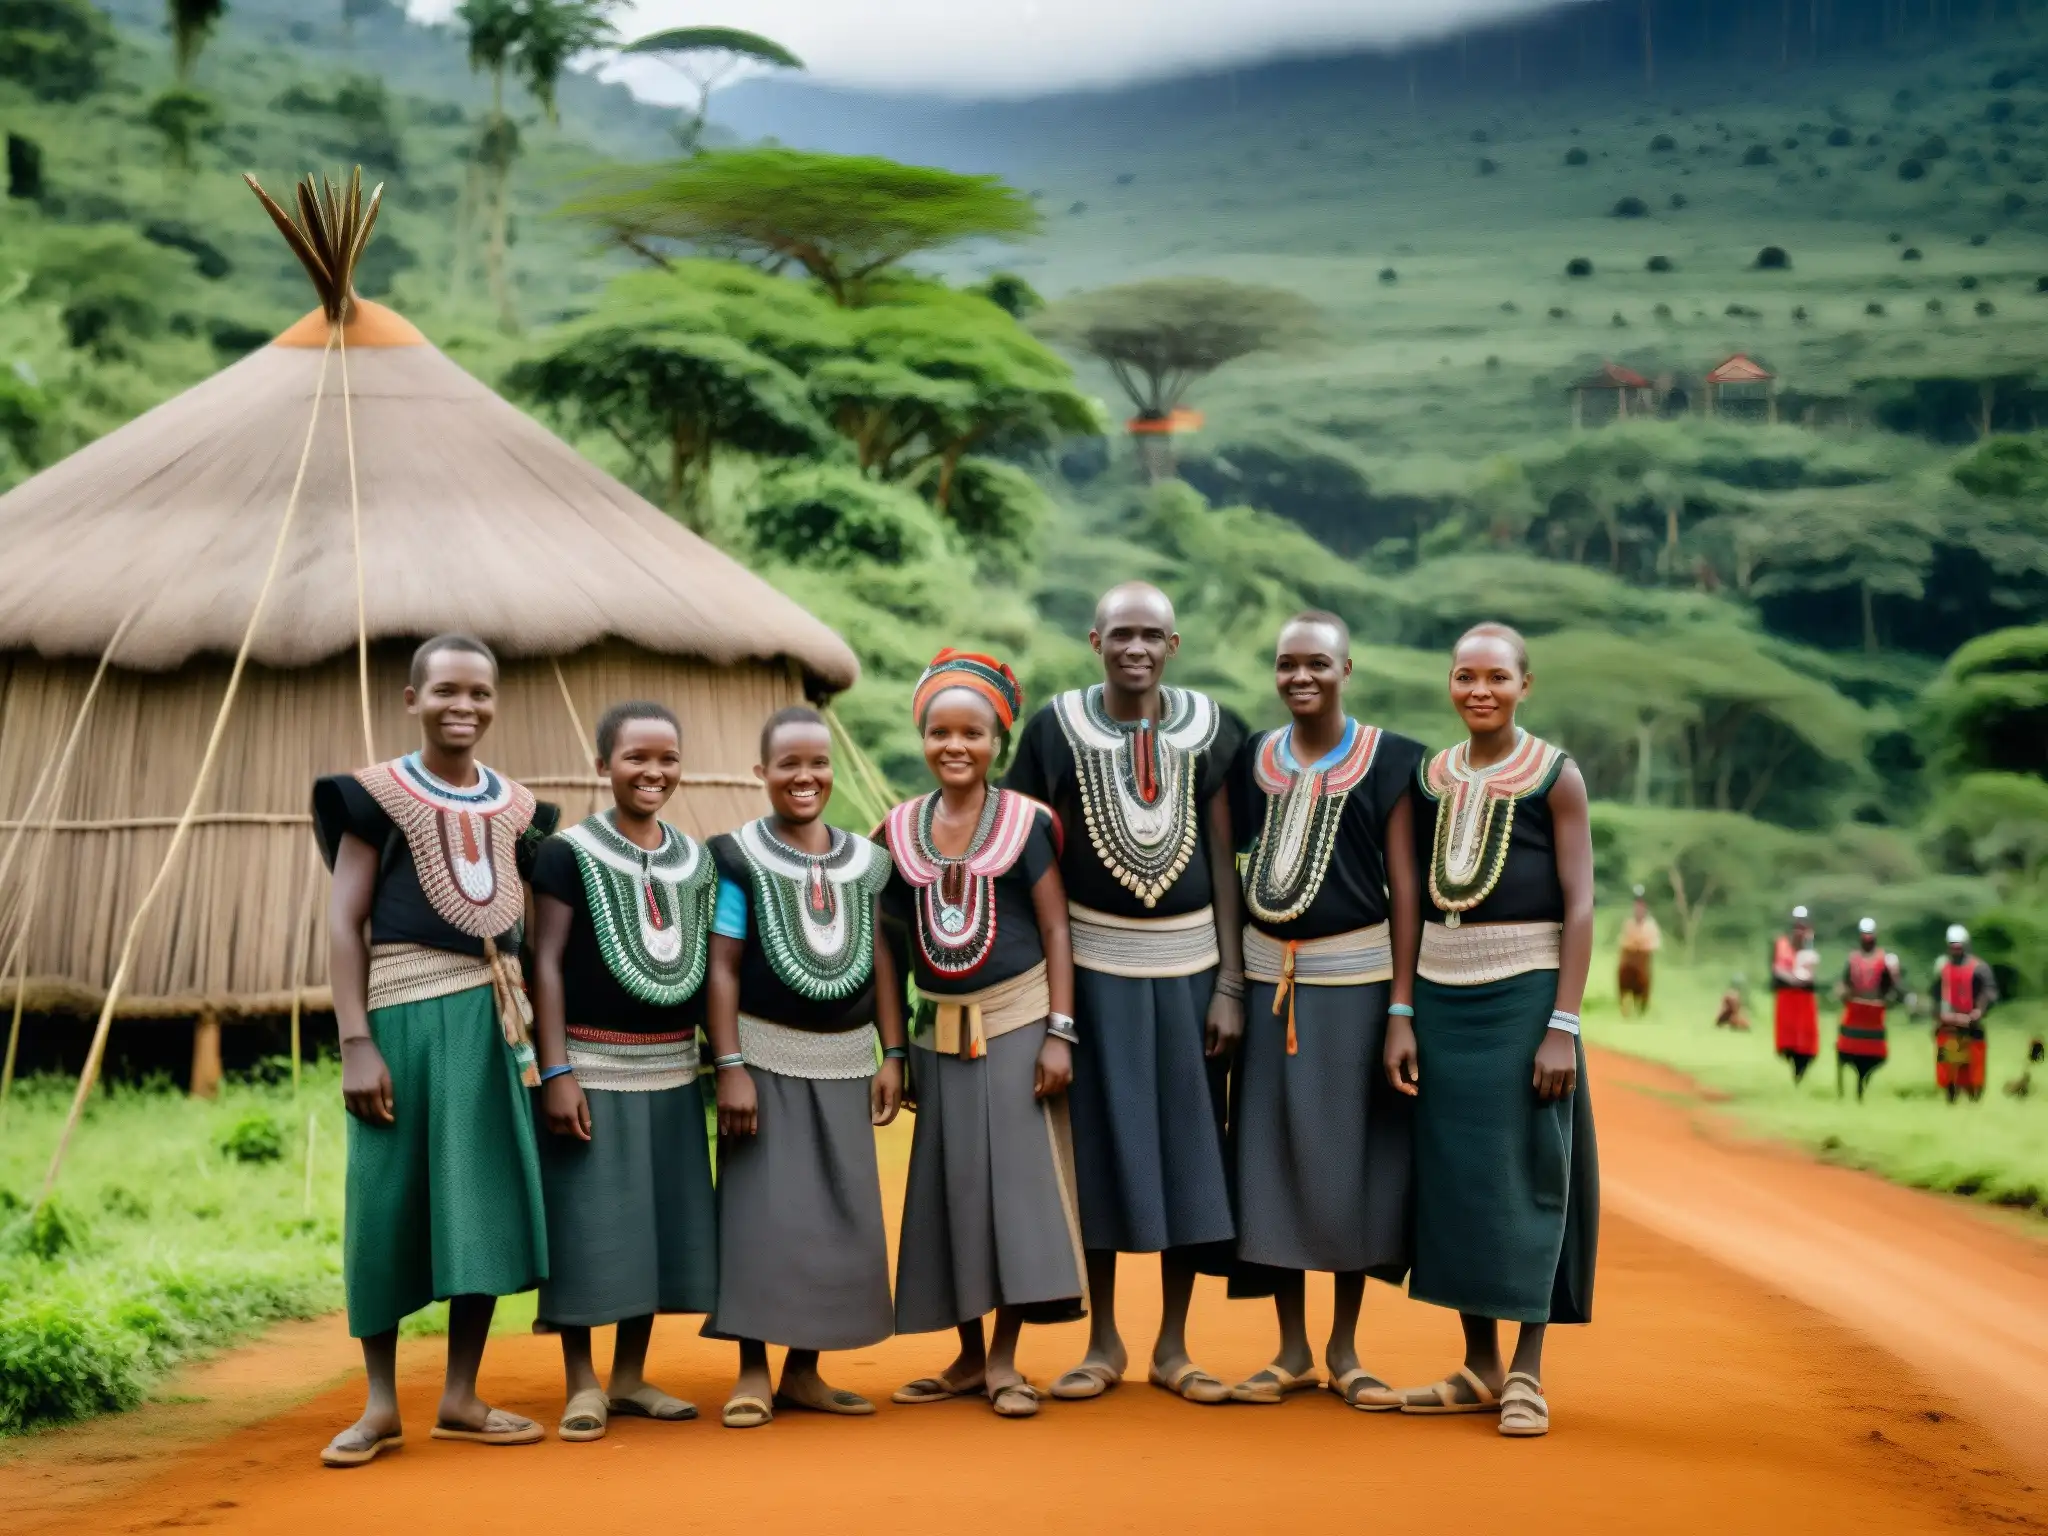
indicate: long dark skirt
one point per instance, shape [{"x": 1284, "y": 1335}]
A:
[
  {"x": 804, "y": 1257},
  {"x": 447, "y": 1200},
  {"x": 1507, "y": 1190},
  {"x": 632, "y": 1224},
  {"x": 1324, "y": 1147},
  {"x": 1148, "y": 1113},
  {"x": 989, "y": 1215}
]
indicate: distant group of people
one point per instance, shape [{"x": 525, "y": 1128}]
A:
[
  {"x": 1305, "y": 999},
  {"x": 1871, "y": 984}
]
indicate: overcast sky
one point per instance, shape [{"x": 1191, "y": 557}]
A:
[{"x": 1017, "y": 47}]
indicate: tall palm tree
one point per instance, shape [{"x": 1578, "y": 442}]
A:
[
  {"x": 191, "y": 23},
  {"x": 707, "y": 57}
]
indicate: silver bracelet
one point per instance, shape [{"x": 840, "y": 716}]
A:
[
  {"x": 1230, "y": 986},
  {"x": 734, "y": 1060},
  {"x": 1060, "y": 1027},
  {"x": 1567, "y": 1022}
]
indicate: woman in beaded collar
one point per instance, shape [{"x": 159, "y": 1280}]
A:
[{"x": 1507, "y": 1180}]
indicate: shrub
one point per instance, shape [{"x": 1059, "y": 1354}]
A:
[
  {"x": 1663, "y": 144},
  {"x": 1772, "y": 258},
  {"x": 119, "y": 1200},
  {"x": 1487, "y": 167},
  {"x": 1799, "y": 315},
  {"x": 1791, "y": 143},
  {"x": 255, "y": 1138},
  {"x": 59, "y": 49},
  {"x": 2041, "y": 285},
  {"x": 1742, "y": 312},
  {"x": 1559, "y": 312},
  {"x": 1631, "y": 208},
  {"x": 2006, "y": 79},
  {"x": 1874, "y": 140},
  {"x": 1933, "y": 147},
  {"x": 831, "y": 515},
  {"x": 1619, "y": 321},
  {"x": 1578, "y": 266},
  {"x": 2012, "y": 202},
  {"x": 50, "y": 1231},
  {"x": 1125, "y": 178},
  {"x": 1910, "y": 253},
  {"x": 1389, "y": 275},
  {"x": 1895, "y": 237},
  {"x": 1492, "y": 362},
  {"x": 1658, "y": 264},
  {"x": 1911, "y": 169},
  {"x": 1510, "y": 307},
  {"x": 1967, "y": 284},
  {"x": 1986, "y": 307},
  {"x": 57, "y": 1365},
  {"x": 1662, "y": 311},
  {"x": 1873, "y": 308},
  {"x": 1998, "y": 111},
  {"x": 1979, "y": 239},
  {"x": 1075, "y": 210},
  {"x": 1840, "y": 138},
  {"x": 1758, "y": 154},
  {"x": 1478, "y": 135},
  {"x": 1575, "y": 156},
  {"x": 1934, "y": 306}
]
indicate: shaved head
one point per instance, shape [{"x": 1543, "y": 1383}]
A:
[
  {"x": 1133, "y": 599},
  {"x": 1333, "y": 628}
]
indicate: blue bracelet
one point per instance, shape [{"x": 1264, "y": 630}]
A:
[
  {"x": 549, "y": 1074},
  {"x": 895, "y": 1053},
  {"x": 1400, "y": 1011}
]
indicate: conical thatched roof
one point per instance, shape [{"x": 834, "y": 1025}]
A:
[{"x": 474, "y": 517}]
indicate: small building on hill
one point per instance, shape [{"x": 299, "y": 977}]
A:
[
  {"x": 1611, "y": 393},
  {"x": 148, "y": 549},
  {"x": 1743, "y": 389}
]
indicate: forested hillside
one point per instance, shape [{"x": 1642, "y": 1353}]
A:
[{"x": 1793, "y": 656}]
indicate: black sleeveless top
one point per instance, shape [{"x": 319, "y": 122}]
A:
[{"x": 1486, "y": 844}]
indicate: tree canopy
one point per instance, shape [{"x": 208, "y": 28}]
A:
[
  {"x": 707, "y": 58},
  {"x": 843, "y": 219},
  {"x": 1988, "y": 710},
  {"x": 58, "y": 49},
  {"x": 1159, "y": 336}
]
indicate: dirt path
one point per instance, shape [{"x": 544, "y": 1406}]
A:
[{"x": 1734, "y": 1381}]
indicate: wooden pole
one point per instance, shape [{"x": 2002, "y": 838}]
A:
[{"x": 206, "y": 1074}]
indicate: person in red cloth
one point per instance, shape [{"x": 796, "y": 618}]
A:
[
  {"x": 1964, "y": 991},
  {"x": 1870, "y": 985},
  {"x": 1794, "y": 965}
]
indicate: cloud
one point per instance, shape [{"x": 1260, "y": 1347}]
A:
[{"x": 1027, "y": 47}]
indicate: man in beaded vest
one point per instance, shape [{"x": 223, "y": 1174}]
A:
[{"x": 1138, "y": 772}]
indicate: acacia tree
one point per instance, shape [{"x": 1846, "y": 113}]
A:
[
  {"x": 1160, "y": 336},
  {"x": 707, "y": 57},
  {"x": 672, "y": 397},
  {"x": 845, "y": 220}
]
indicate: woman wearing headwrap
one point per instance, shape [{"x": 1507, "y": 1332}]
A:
[{"x": 989, "y": 1216}]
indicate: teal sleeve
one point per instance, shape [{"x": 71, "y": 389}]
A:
[{"x": 729, "y": 916}]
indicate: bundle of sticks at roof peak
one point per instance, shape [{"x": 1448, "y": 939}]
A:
[{"x": 328, "y": 233}]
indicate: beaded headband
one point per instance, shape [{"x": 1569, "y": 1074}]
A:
[{"x": 980, "y": 674}]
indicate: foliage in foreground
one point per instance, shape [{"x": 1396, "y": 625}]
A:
[{"x": 179, "y": 1226}]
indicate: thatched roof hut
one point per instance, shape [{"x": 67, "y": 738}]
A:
[{"x": 473, "y": 517}]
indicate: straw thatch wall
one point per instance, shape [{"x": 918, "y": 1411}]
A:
[{"x": 250, "y": 890}]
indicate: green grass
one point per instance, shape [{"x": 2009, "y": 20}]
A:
[
  {"x": 160, "y": 1244},
  {"x": 1995, "y": 1150}
]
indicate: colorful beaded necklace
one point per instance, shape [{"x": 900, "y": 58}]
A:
[
  {"x": 1475, "y": 816},
  {"x": 1303, "y": 809},
  {"x": 815, "y": 912},
  {"x": 650, "y": 910},
  {"x": 463, "y": 841},
  {"x": 956, "y": 929},
  {"x": 1137, "y": 783}
]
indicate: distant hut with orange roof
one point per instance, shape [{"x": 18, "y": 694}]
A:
[
  {"x": 1613, "y": 393},
  {"x": 1743, "y": 388}
]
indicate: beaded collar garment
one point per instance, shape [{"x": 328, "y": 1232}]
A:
[
  {"x": 463, "y": 841},
  {"x": 650, "y": 909},
  {"x": 1303, "y": 809},
  {"x": 814, "y": 912},
  {"x": 1475, "y": 816},
  {"x": 1137, "y": 783},
  {"x": 956, "y": 907}
]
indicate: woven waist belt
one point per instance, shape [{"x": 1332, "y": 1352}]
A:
[
  {"x": 416, "y": 973},
  {"x": 964, "y": 1025},
  {"x": 1473, "y": 954},
  {"x": 1143, "y": 946},
  {"x": 621, "y": 1063},
  {"x": 816, "y": 1054},
  {"x": 1357, "y": 958}
]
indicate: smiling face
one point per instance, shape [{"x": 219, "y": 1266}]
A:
[
  {"x": 456, "y": 700},
  {"x": 960, "y": 737},
  {"x": 798, "y": 772},
  {"x": 645, "y": 766},
  {"x": 1487, "y": 683},
  {"x": 1134, "y": 636},
  {"x": 1310, "y": 665}
]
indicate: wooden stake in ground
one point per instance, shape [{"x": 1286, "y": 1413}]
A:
[{"x": 329, "y": 236}]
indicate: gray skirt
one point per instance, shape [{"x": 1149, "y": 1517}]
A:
[
  {"x": 632, "y": 1222},
  {"x": 1324, "y": 1146},
  {"x": 989, "y": 1215},
  {"x": 1507, "y": 1190},
  {"x": 1148, "y": 1114},
  {"x": 803, "y": 1257}
]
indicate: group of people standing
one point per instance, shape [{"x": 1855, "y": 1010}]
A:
[
  {"x": 1871, "y": 984},
  {"x": 1260, "y": 1004}
]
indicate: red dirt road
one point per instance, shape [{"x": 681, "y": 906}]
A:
[{"x": 1738, "y": 1379}]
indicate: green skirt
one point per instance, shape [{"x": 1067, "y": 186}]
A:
[
  {"x": 1507, "y": 1189},
  {"x": 446, "y": 1201}
]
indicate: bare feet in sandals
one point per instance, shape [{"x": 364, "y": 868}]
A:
[
  {"x": 1188, "y": 1381},
  {"x": 487, "y": 1426},
  {"x": 810, "y": 1391},
  {"x": 1012, "y": 1398},
  {"x": 647, "y": 1401},
  {"x": 364, "y": 1441},
  {"x": 1092, "y": 1377},
  {"x": 965, "y": 1377}
]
